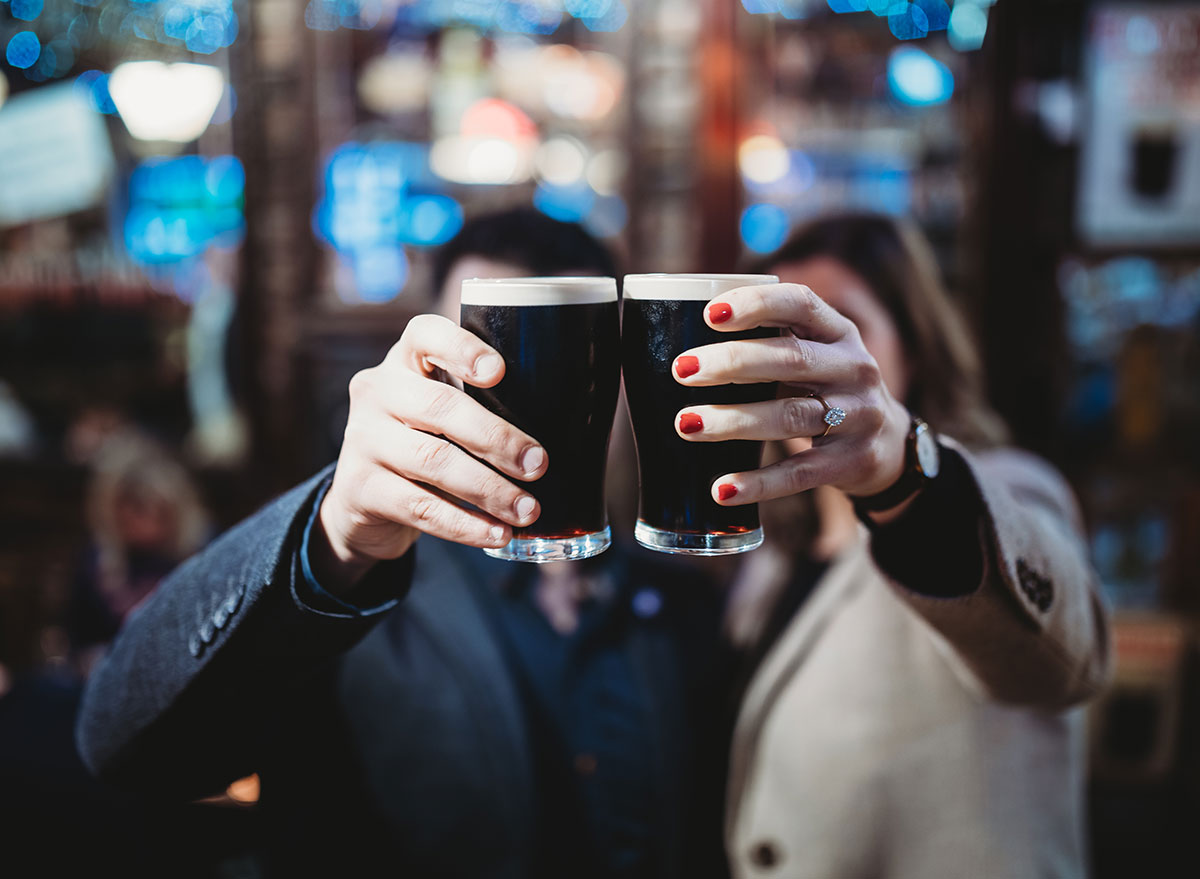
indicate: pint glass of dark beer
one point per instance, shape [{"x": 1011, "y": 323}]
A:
[
  {"x": 560, "y": 340},
  {"x": 663, "y": 316}
]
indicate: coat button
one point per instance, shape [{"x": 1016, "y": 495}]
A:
[
  {"x": 220, "y": 616},
  {"x": 234, "y": 600},
  {"x": 765, "y": 855},
  {"x": 207, "y": 631},
  {"x": 195, "y": 646}
]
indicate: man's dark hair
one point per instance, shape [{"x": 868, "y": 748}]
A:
[{"x": 526, "y": 238}]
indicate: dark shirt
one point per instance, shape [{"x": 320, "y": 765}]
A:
[{"x": 593, "y": 745}]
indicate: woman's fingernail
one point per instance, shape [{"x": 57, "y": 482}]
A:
[
  {"x": 532, "y": 460},
  {"x": 725, "y": 491},
  {"x": 719, "y": 312},
  {"x": 488, "y": 365},
  {"x": 497, "y": 534},
  {"x": 525, "y": 507},
  {"x": 690, "y": 422},
  {"x": 687, "y": 365}
]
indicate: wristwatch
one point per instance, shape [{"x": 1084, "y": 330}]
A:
[{"x": 922, "y": 463}]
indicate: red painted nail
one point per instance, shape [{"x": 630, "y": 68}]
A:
[
  {"x": 719, "y": 312},
  {"x": 725, "y": 491},
  {"x": 690, "y": 422},
  {"x": 687, "y": 365}
]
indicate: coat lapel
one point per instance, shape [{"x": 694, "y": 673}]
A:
[{"x": 845, "y": 577}]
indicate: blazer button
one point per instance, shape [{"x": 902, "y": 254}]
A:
[
  {"x": 195, "y": 646},
  {"x": 765, "y": 854},
  {"x": 207, "y": 631},
  {"x": 220, "y": 616},
  {"x": 234, "y": 600}
]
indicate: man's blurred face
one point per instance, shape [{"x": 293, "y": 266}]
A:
[{"x": 472, "y": 267}]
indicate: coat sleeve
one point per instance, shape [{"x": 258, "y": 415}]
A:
[
  {"x": 1031, "y": 628},
  {"x": 185, "y": 699}
]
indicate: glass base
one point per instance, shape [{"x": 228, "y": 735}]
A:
[
  {"x": 697, "y": 543},
  {"x": 553, "y": 549}
]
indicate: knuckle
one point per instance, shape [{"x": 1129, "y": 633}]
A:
[
  {"x": 866, "y": 373},
  {"x": 440, "y": 401},
  {"x": 361, "y": 383},
  {"x": 800, "y": 356},
  {"x": 874, "y": 418},
  {"x": 795, "y": 477},
  {"x": 434, "y": 457},
  {"x": 498, "y": 436},
  {"x": 422, "y": 510},
  {"x": 795, "y": 416},
  {"x": 872, "y": 456}
]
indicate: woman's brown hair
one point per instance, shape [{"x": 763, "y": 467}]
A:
[{"x": 899, "y": 267}]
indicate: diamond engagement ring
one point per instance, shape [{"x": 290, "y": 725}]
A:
[{"x": 834, "y": 415}]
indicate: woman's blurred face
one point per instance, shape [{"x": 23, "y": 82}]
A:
[{"x": 849, "y": 294}]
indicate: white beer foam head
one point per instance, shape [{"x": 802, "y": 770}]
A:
[
  {"x": 693, "y": 287},
  {"x": 538, "y": 291}
]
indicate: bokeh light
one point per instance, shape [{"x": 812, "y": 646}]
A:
[
  {"x": 848, "y": 5},
  {"x": 23, "y": 50},
  {"x": 918, "y": 79},
  {"x": 169, "y": 102},
  {"x": 93, "y": 85},
  {"x": 561, "y": 161},
  {"x": 764, "y": 227},
  {"x": 968, "y": 26},
  {"x": 763, "y": 158},
  {"x": 570, "y": 204},
  {"x": 26, "y": 10},
  {"x": 909, "y": 23}
]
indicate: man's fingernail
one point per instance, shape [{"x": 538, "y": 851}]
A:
[
  {"x": 525, "y": 507},
  {"x": 719, "y": 312},
  {"x": 690, "y": 422},
  {"x": 725, "y": 491},
  {"x": 532, "y": 460},
  {"x": 497, "y": 534},
  {"x": 487, "y": 365},
  {"x": 687, "y": 365}
]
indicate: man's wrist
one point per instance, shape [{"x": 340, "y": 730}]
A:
[{"x": 336, "y": 567}]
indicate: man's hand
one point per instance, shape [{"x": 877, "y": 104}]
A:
[{"x": 403, "y": 469}]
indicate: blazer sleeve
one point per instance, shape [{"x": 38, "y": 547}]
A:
[
  {"x": 186, "y": 699},
  {"x": 1033, "y": 629}
]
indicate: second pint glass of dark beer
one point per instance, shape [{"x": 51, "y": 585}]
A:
[
  {"x": 560, "y": 340},
  {"x": 663, "y": 316}
]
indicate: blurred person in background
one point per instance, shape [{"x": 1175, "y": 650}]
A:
[
  {"x": 425, "y": 709},
  {"x": 915, "y": 634},
  {"x": 145, "y": 516}
]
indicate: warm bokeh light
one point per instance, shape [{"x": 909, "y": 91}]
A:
[
  {"x": 763, "y": 158},
  {"x": 481, "y": 160},
  {"x": 561, "y": 161},
  {"x": 494, "y": 118},
  {"x": 166, "y": 102},
  {"x": 606, "y": 170},
  {"x": 395, "y": 82}
]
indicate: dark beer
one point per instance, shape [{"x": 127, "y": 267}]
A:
[
  {"x": 663, "y": 316},
  {"x": 560, "y": 340}
]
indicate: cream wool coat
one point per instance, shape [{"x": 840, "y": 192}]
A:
[{"x": 893, "y": 735}]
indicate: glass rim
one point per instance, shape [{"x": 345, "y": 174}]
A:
[
  {"x": 694, "y": 286},
  {"x": 541, "y": 290}
]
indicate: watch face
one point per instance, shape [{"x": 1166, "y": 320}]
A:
[{"x": 927, "y": 452}]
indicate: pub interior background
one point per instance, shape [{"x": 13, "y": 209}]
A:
[{"x": 194, "y": 259}]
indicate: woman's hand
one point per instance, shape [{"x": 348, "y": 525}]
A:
[
  {"x": 403, "y": 470},
  {"x": 820, "y": 352}
]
